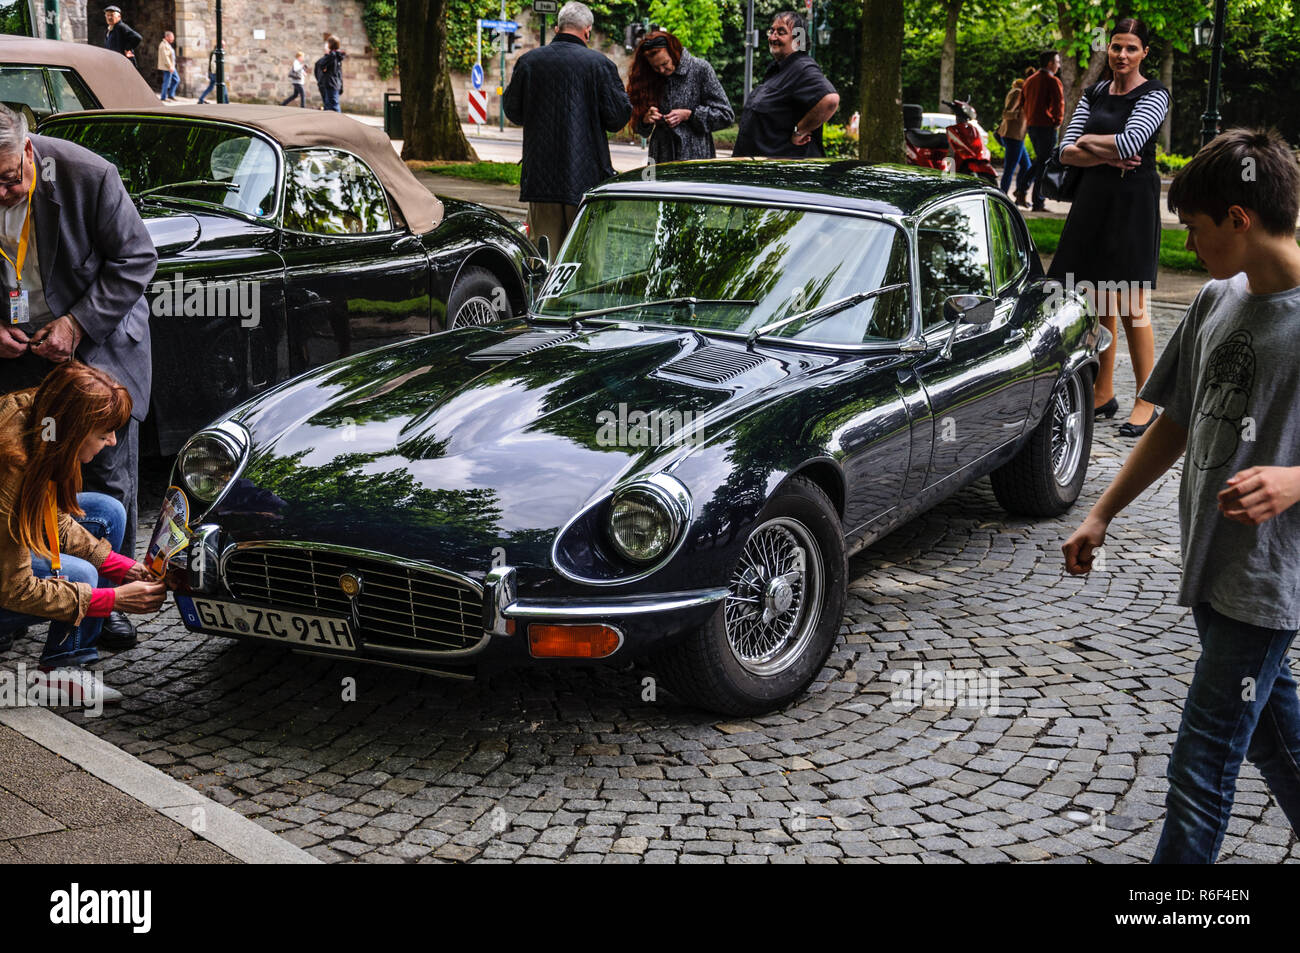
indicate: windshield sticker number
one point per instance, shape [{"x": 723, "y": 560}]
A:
[{"x": 559, "y": 278}]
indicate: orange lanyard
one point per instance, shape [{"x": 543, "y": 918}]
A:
[
  {"x": 23, "y": 237},
  {"x": 52, "y": 532}
]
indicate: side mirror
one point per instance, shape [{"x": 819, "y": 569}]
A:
[
  {"x": 965, "y": 309},
  {"x": 544, "y": 246}
]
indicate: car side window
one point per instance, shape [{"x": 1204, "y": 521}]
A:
[
  {"x": 1009, "y": 255},
  {"x": 328, "y": 192},
  {"x": 70, "y": 93},
  {"x": 953, "y": 254},
  {"x": 25, "y": 86}
]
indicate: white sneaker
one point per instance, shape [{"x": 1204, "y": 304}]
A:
[{"x": 76, "y": 688}]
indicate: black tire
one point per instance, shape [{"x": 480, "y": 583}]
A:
[
  {"x": 1046, "y": 476},
  {"x": 705, "y": 670},
  {"x": 474, "y": 299}
]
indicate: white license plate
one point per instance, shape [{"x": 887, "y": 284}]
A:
[{"x": 279, "y": 625}]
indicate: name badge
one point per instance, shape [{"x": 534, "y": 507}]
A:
[{"x": 18, "y": 309}]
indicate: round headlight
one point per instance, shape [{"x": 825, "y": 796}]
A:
[
  {"x": 207, "y": 464},
  {"x": 645, "y": 519}
]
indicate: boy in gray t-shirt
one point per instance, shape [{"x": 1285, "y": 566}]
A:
[{"x": 1229, "y": 382}]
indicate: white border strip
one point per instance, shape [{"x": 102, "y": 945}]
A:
[{"x": 227, "y": 829}]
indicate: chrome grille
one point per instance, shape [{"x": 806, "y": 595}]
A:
[{"x": 400, "y": 606}]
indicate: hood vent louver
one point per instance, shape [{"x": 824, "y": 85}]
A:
[
  {"x": 714, "y": 364},
  {"x": 527, "y": 343}
]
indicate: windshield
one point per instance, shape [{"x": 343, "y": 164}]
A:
[
  {"x": 746, "y": 266},
  {"x": 158, "y": 155}
]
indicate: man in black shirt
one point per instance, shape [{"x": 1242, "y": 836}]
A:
[
  {"x": 120, "y": 38},
  {"x": 783, "y": 115}
]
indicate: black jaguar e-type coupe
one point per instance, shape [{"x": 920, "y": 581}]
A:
[{"x": 735, "y": 375}]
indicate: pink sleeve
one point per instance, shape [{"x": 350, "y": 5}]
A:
[
  {"x": 116, "y": 566},
  {"x": 101, "y": 603}
]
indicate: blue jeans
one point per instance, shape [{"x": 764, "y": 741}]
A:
[
  {"x": 1044, "y": 141},
  {"x": 1220, "y": 728},
  {"x": 1017, "y": 157},
  {"x": 330, "y": 97},
  {"x": 212, "y": 84},
  {"x": 170, "y": 83},
  {"x": 68, "y": 645}
]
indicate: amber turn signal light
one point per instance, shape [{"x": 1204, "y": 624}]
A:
[{"x": 572, "y": 641}]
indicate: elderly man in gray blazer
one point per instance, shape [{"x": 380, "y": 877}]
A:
[{"x": 79, "y": 291}]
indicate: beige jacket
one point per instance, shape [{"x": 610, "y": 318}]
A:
[
  {"x": 166, "y": 57},
  {"x": 20, "y": 590},
  {"x": 1013, "y": 123}
]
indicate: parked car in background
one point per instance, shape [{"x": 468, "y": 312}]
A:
[
  {"x": 736, "y": 375},
  {"x": 287, "y": 238},
  {"x": 50, "y": 76}
]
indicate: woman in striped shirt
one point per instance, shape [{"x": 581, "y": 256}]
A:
[{"x": 1111, "y": 240}]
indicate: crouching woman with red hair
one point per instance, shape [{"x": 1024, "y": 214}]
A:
[{"x": 58, "y": 559}]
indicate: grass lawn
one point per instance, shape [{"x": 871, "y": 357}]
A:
[
  {"x": 507, "y": 172},
  {"x": 1047, "y": 236}
]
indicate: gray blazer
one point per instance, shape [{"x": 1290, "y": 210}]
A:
[
  {"x": 96, "y": 260},
  {"x": 694, "y": 86}
]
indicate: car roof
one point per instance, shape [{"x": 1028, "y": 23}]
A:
[
  {"x": 296, "y": 128},
  {"x": 884, "y": 188},
  {"x": 115, "y": 82}
]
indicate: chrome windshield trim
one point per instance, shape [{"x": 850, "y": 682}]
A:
[{"x": 616, "y": 606}]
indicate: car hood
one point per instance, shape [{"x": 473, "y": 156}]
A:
[
  {"x": 171, "y": 232},
  {"x": 445, "y": 448}
]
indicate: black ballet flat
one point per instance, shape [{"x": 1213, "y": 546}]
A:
[
  {"x": 1107, "y": 409},
  {"x": 1127, "y": 429}
]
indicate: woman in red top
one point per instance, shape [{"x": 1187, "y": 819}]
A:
[{"x": 57, "y": 545}]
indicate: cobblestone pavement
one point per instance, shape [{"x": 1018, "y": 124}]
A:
[{"x": 573, "y": 765}]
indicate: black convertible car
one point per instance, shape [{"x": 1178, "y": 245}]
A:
[
  {"x": 287, "y": 238},
  {"x": 736, "y": 375}
]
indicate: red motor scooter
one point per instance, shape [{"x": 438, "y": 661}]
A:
[{"x": 930, "y": 150}]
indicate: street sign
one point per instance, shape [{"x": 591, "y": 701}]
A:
[
  {"x": 478, "y": 106},
  {"x": 505, "y": 26},
  {"x": 476, "y": 75},
  {"x": 545, "y": 6}
]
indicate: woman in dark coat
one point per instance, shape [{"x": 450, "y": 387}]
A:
[
  {"x": 1112, "y": 236},
  {"x": 677, "y": 100}
]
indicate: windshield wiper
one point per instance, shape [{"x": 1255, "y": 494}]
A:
[
  {"x": 821, "y": 311},
  {"x": 217, "y": 183},
  {"x": 675, "y": 302}
]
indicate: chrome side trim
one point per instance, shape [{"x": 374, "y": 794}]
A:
[
  {"x": 617, "y": 606},
  {"x": 498, "y": 593},
  {"x": 204, "y": 559}
]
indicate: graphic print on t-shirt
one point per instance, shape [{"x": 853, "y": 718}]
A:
[{"x": 1216, "y": 432}]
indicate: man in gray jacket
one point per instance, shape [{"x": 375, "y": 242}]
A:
[
  {"x": 76, "y": 261},
  {"x": 566, "y": 97}
]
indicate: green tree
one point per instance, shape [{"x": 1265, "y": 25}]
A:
[{"x": 697, "y": 23}]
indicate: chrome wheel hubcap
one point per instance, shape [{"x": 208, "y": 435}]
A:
[
  {"x": 1067, "y": 431},
  {"x": 774, "y": 601}
]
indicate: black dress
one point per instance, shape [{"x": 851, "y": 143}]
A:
[{"x": 1113, "y": 229}]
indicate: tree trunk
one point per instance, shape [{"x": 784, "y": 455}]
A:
[
  {"x": 1167, "y": 78},
  {"x": 880, "y": 125},
  {"x": 430, "y": 127},
  {"x": 948, "y": 59}
]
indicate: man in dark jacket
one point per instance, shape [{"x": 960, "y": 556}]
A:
[
  {"x": 329, "y": 75},
  {"x": 120, "y": 38},
  {"x": 566, "y": 97},
  {"x": 83, "y": 259}
]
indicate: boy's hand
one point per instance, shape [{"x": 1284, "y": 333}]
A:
[
  {"x": 1258, "y": 494},
  {"x": 1078, "y": 548}
]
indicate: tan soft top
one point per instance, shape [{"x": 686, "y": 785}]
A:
[
  {"x": 110, "y": 76},
  {"x": 295, "y": 128}
]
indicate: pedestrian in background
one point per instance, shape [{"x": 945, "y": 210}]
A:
[
  {"x": 297, "y": 76},
  {"x": 784, "y": 114},
  {"x": 171, "y": 80},
  {"x": 212, "y": 76},
  {"x": 119, "y": 37},
  {"x": 567, "y": 98},
  {"x": 1043, "y": 104},
  {"x": 1010, "y": 135},
  {"x": 76, "y": 261},
  {"x": 329, "y": 75},
  {"x": 1112, "y": 234},
  {"x": 676, "y": 99}
]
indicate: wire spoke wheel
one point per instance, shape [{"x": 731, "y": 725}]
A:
[
  {"x": 475, "y": 312},
  {"x": 1067, "y": 431},
  {"x": 775, "y": 597}
]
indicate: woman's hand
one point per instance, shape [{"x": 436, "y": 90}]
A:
[
  {"x": 139, "y": 598},
  {"x": 677, "y": 117},
  {"x": 1078, "y": 549},
  {"x": 654, "y": 115},
  {"x": 138, "y": 573}
]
